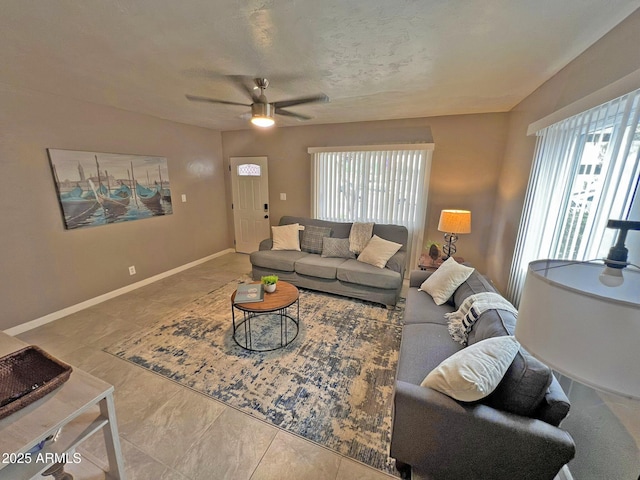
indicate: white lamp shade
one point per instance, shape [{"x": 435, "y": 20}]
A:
[
  {"x": 580, "y": 327},
  {"x": 455, "y": 221}
]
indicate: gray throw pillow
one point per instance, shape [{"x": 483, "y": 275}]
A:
[
  {"x": 312, "y": 237},
  {"x": 336, "y": 248},
  {"x": 523, "y": 386},
  {"x": 476, "y": 283},
  {"x": 526, "y": 382}
]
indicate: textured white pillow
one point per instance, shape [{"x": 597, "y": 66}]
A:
[
  {"x": 359, "y": 235},
  {"x": 286, "y": 237},
  {"x": 378, "y": 251},
  {"x": 443, "y": 282},
  {"x": 474, "y": 372}
]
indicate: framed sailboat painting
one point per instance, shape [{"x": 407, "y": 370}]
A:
[{"x": 101, "y": 188}]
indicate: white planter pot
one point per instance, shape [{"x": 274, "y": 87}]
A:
[{"x": 270, "y": 288}]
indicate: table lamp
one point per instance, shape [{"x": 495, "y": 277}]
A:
[{"x": 453, "y": 222}]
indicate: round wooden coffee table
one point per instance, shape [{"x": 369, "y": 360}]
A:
[{"x": 272, "y": 309}]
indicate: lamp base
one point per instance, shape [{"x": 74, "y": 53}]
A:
[{"x": 449, "y": 247}]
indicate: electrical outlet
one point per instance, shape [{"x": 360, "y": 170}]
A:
[
  {"x": 184, "y": 198},
  {"x": 132, "y": 270},
  {"x": 283, "y": 196}
]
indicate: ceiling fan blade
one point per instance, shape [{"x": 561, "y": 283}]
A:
[
  {"x": 321, "y": 97},
  {"x": 286, "y": 113},
  {"x": 195, "y": 98},
  {"x": 242, "y": 82}
]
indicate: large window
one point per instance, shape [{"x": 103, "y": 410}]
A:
[
  {"x": 586, "y": 171},
  {"x": 382, "y": 184}
]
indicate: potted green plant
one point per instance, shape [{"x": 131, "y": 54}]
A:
[{"x": 269, "y": 282}]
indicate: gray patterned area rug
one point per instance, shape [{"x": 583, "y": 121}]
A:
[{"x": 332, "y": 385}]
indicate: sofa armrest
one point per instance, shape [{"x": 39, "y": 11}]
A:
[
  {"x": 448, "y": 439},
  {"x": 555, "y": 405},
  {"x": 416, "y": 277},
  {"x": 266, "y": 244}
]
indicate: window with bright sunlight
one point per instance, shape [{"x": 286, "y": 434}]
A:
[
  {"x": 585, "y": 171},
  {"x": 382, "y": 184}
]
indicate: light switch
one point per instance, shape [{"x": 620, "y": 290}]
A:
[
  {"x": 283, "y": 196},
  {"x": 184, "y": 197}
]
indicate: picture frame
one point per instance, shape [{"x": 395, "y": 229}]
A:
[{"x": 96, "y": 188}]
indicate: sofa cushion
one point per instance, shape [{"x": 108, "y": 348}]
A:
[
  {"x": 286, "y": 237},
  {"x": 393, "y": 233},
  {"x": 420, "y": 308},
  {"x": 527, "y": 379},
  {"x": 283, "y": 260},
  {"x": 338, "y": 229},
  {"x": 352, "y": 271},
  {"x": 523, "y": 387},
  {"x": 442, "y": 283},
  {"x": 316, "y": 266},
  {"x": 378, "y": 251},
  {"x": 424, "y": 346},
  {"x": 312, "y": 238},
  {"x": 398, "y": 261},
  {"x": 476, "y": 283},
  {"x": 474, "y": 372},
  {"x": 336, "y": 248},
  {"x": 492, "y": 323}
]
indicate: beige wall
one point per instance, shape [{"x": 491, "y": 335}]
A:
[
  {"x": 464, "y": 174},
  {"x": 45, "y": 268},
  {"x": 616, "y": 55}
]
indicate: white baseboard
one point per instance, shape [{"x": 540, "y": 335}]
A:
[{"x": 24, "y": 327}]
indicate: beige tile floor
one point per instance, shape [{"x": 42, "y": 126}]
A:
[{"x": 169, "y": 432}]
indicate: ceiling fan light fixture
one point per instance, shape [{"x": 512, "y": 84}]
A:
[
  {"x": 261, "y": 121},
  {"x": 263, "y": 112},
  {"x": 262, "y": 115}
]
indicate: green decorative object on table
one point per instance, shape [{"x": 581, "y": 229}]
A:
[{"x": 269, "y": 282}]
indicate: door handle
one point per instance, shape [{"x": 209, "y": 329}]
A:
[{"x": 266, "y": 216}]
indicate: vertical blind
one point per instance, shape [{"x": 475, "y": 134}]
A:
[
  {"x": 586, "y": 169},
  {"x": 381, "y": 185}
]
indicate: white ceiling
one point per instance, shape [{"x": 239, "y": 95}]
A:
[{"x": 376, "y": 59}]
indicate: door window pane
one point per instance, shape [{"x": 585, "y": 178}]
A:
[{"x": 249, "y": 170}]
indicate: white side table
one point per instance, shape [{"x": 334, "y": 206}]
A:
[{"x": 82, "y": 406}]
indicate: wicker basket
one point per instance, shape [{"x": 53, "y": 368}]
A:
[{"x": 28, "y": 375}]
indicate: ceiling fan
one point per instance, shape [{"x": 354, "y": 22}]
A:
[{"x": 262, "y": 112}]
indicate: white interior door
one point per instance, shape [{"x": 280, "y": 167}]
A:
[{"x": 250, "y": 190}]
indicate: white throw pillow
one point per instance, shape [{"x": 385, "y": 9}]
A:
[
  {"x": 378, "y": 251},
  {"x": 286, "y": 237},
  {"x": 443, "y": 282},
  {"x": 474, "y": 372}
]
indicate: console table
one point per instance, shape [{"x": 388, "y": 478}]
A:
[
  {"x": 426, "y": 263},
  {"x": 82, "y": 406}
]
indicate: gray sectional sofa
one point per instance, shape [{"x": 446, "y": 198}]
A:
[
  {"x": 341, "y": 276},
  {"x": 511, "y": 434}
]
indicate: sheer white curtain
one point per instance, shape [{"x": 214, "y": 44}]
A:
[
  {"x": 585, "y": 171},
  {"x": 381, "y": 183}
]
